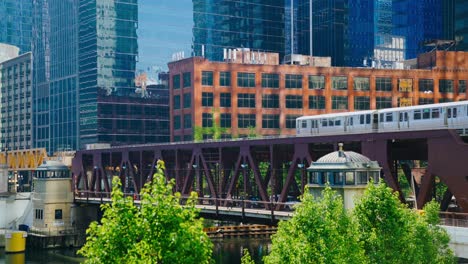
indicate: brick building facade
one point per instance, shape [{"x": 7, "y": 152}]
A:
[{"x": 267, "y": 99}]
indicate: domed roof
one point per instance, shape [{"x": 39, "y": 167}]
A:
[
  {"x": 341, "y": 156},
  {"x": 52, "y": 165},
  {"x": 344, "y": 160}
]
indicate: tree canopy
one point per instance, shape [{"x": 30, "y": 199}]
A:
[
  {"x": 380, "y": 229},
  {"x": 160, "y": 230}
]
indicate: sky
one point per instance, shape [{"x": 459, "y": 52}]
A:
[{"x": 164, "y": 28}]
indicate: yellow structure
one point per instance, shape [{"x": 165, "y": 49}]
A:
[
  {"x": 28, "y": 159},
  {"x": 15, "y": 241}
]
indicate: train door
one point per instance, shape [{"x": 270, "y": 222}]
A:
[
  {"x": 349, "y": 124},
  {"x": 314, "y": 128},
  {"x": 403, "y": 120},
  {"x": 375, "y": 122},
  {"x": 452, "y": 117}
]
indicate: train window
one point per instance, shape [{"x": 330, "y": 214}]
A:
[
  {"x": 403, "y": 117},
  {"x": 435, "y": 113},
  {"x": 381, "y": 119},
  {"x": 337, "y": 122},
  {"x": 389, "y": 117},
  {"x": 417, "y": 114},
  {"x": 368, "y": 119},
  {"x": 330, "y": 122},
  {"x": 452, "y": 112},
  {"x": 324, "y": 122},
  {"x": 426, "y": 113},
  {"x": 350, "y": 121},
  {"x": 304, "y": 124},
  {"x": 361, "y": 119}
]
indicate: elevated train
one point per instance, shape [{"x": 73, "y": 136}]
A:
[{"x": 452, "y": 115}]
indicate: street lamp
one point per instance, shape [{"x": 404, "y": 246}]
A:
[{"x": 198, "y": 182}]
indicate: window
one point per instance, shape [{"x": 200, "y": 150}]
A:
[
  {"x": 417, "y": 114},
  {"x": 426, "y": 85},
  {"x": 339, "y": 83},
  {"x": 187, "y": 100},
  {"x": 361, "y": 84},
  {"x": 188, "y": 121},
  {"x": 383, "y": 102},
  {"x": 316, "y": 102},
  {"x": 176, "y": 102},
  {"x": 338, "y": 178},
  {"x": 445, "y": 100},
  {"x": 293, "y": 81},
  {"x": 361, "y": 177},
  {"x": 225, "y": 120},
  {"x": 435, "y": 113},
  {"x": 207, "y": 78},
  {"x": 246, "y": 100},
  {"x": 349, "y": 178},
  {"x": 383, "y": 84},
  {"x": 224, "y": 79},
  {"x": 207, "y": 99},
  {"x": 225, "y": 100},
  {"x": 207, "y": 120},
  {"x": 177, "y": 122},
  {"x": 246, "y": 120},
  {"x": 426, "y": 113},
  {"x": 58, "y": 214},
  {"x": 339, "y": 102},
  {"x": 316, "y": 82},
  {"x": 291, "y": 121},
  {"x": 423, "y": 101},
  {"x": 361, "y": 103},
  {"x": 270, "y": 101},
  {"x": 462, "y": 86},
  {"x": 446, "y": 86},
  {"x": 270, "y": 121},
  {"x": 405, "y": 85},
  {"x": 245, "y": 79},
  {"x": 294, "y": 101},
  {"x": 187, "y": 79},
  {"x": 39, "y": 213},
  {"x": 270, "y": 80},
  {"x": 176, "y": 81}
]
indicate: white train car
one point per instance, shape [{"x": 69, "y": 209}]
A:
[{"x": 452, "y": 115}]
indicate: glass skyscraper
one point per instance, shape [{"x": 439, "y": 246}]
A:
[
  {"x": 461, "y": 24},
  {"x": 16, "y": 23},
  {"x": 227, "y": 24}
]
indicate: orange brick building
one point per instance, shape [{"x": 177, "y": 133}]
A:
[{"x": 243, "y": 97}]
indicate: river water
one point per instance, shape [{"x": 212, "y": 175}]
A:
[{"x": 226, "y": 251}]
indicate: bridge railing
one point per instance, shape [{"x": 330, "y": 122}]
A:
[{"x": 454, "y": 219}]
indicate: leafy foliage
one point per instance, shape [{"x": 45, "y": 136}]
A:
[
  {"x": 380, "y": 229},
  {"x": 246, "y": 258},
  {"x": 159, "y": 231}
]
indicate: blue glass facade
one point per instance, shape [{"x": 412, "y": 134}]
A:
[
  {"x": 461, "y": 24},
  {"x": 227, "y": 24},
  {"x": 16, "y": 23}
]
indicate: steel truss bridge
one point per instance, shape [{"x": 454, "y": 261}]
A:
[{"x": 274, "y": 169}]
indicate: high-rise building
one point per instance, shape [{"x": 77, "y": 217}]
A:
[
  {"x": 254, "y": 24},
  {"x": 111, "y": 108},
  {"x": 461, "y": 24},
  {"x": 55, "y": 51},
  {"x": 16, "y": 23}
]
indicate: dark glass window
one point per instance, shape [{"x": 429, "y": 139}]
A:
[
  {"x": 462, "y": 86},
  {"x": 426, "y": 85},
  {"x": 291, "y": 121},
  {"x": 316, "y": 102},
  {"x": 177, "y": 122},
  {"x": 225, "y": 120},
  {"x": 176, "y": 101},
  {"x": 270, "y": 80},
  {"x": 176, "y": 81},
  {"x": 383, "y": 84},
  {"x": 339, "y": 102},
  {"x": 225, "y": 100},
  {"x": 361, "y": 84},
  {"x": 270, "y": 101},
  {"x": 339, "y": 83},
  {"x": 316, "y": 82},
  {"x": 207, "y": 78},
  {"x": 187, "y": 100},
  {"x": 445, "y": 86},
  {"x": 246, "y": 79},
  {"x": 293, "y": 81},
  {"x": 270, "y": 121},
  {"x": 187, "y": 79},
  {"x": 423, "y": 101},
  {"x": 246, "y": 120},
  {"x": 445, "y": 100},
  {"x": 224, "y": 79},
  {"x": 187, "y": 121},
  {"x": 207, "y": 99},
  {"x": 246, "y": 100},
  {"x": 361, "y": 103},
  {"x": 294, "y": 101},
  {"x": 207, "y": 120},
  {"x": 58, "y": 214},
  {"x": 383, "y": 102}
]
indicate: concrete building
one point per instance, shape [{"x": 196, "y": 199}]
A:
[
  {"x": 16, "y": 103},
  {"x": 268, "y": 98}
]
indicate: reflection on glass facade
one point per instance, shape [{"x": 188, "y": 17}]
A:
[
  {"x": 16, "y": 23},
  {"x": 461, "y": 24},
  {"x": 55, "y": 47},
  {"x": 254, "y": 24}
]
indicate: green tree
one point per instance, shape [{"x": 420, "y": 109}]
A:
[
  {"x": 392, "y": 233},
  {"x": 246, "y": 258},
  {"x": 160, "y": 230},
  {"x": 320, "y": 231}
]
